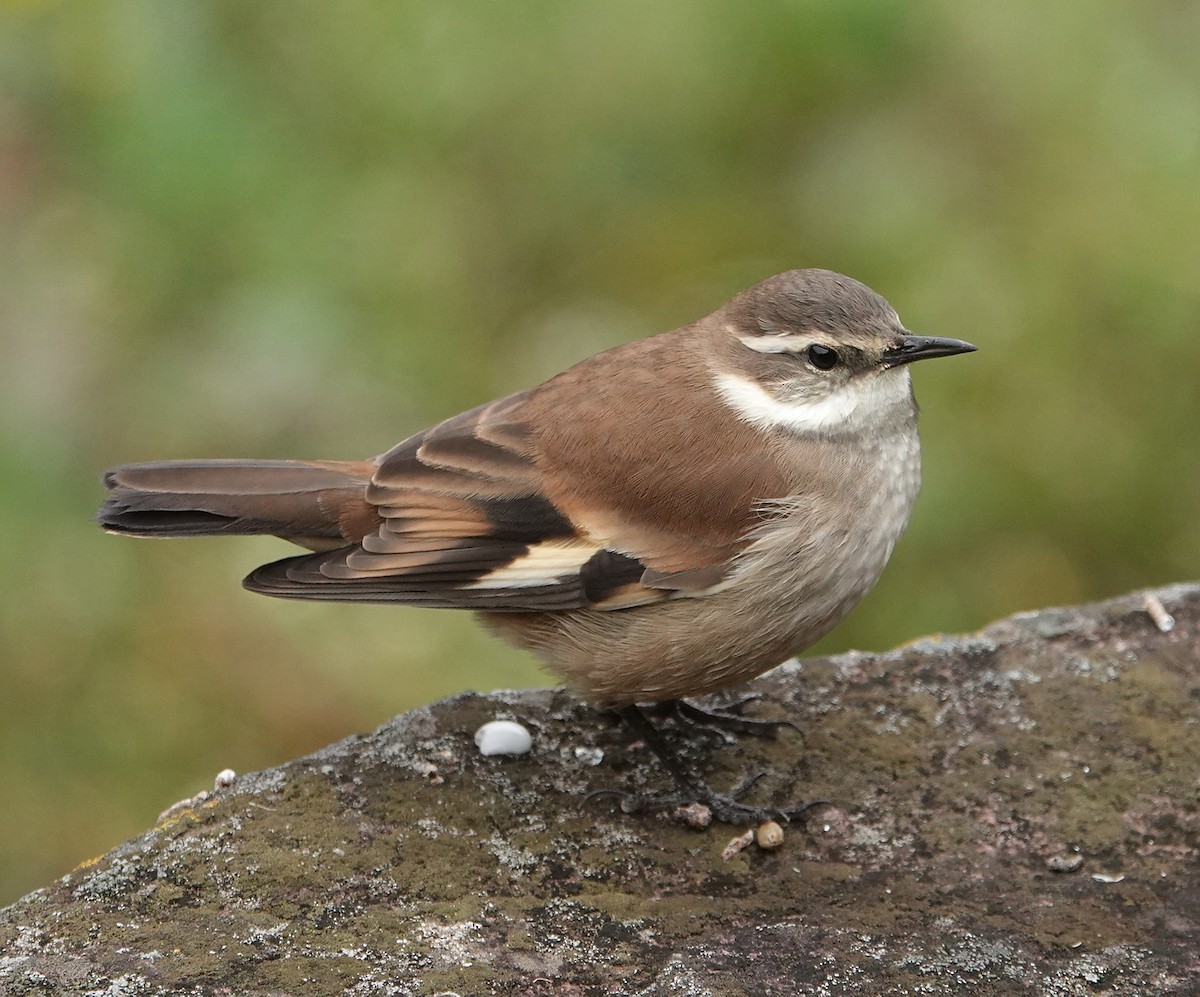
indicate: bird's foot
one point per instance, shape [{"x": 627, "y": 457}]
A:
[{"x": 725, "y": 807}]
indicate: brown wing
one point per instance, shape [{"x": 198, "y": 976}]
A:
[
  {"x": 522, "y": 505},
  {"x": 465, "y": 523}
]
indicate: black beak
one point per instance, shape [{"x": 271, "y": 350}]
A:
[{"x": 922, "y": 348}]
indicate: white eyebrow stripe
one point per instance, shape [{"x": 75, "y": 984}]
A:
[
  {"x": 791, "y": 343},
  {"x": 849, "y": 407}
]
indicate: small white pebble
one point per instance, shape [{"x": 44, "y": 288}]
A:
[
  {"x": 1064, "y": 863},
  {"x": 503, "y": 737},
  {"x": 224, "y": 779},
  {"x": 590, "y": 756},
  {"x": 1108, "y": 877}
]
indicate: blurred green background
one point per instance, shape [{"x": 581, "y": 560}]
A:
[{"x": 309, "y": 229}]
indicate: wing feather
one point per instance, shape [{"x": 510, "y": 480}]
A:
[{"x": 474, "y": 515}]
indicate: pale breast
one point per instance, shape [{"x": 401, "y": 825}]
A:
[
  {"x": 817, "y": 554},
  {"x": 814, "y": 556}
]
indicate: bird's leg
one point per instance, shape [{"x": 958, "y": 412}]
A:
[{"x": 724, "y": 806}]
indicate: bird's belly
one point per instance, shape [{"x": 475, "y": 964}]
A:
[{"x": 808, "y": 565}]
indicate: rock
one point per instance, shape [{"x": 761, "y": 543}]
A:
[{"x": 404, "y": 862}]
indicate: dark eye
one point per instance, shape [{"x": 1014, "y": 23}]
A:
[{"x": 822, "y": 357}]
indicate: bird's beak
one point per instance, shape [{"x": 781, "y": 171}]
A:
[{"x": 922, "y": 348}]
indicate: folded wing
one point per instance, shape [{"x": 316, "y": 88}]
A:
[{"x": 466, "y": 523}]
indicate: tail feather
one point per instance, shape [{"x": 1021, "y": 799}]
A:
[{"x": 317, "y": 504}]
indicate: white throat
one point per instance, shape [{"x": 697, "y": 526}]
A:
[{"x": 864, "y": 402}]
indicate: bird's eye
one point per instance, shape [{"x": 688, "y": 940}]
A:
[{"x": 822, "y": 357}]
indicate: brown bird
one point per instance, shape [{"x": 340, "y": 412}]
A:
[{"x": 665, "y": 519}]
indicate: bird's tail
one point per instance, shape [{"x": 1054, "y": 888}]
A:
[{"x": 316, "y": 504}]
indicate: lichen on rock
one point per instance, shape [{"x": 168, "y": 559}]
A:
[{"x": 960, "y": 772}]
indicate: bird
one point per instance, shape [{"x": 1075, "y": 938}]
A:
[{"x": 666, "y": 519}]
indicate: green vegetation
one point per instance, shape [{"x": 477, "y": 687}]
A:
[{"x": 304, "y": 229}]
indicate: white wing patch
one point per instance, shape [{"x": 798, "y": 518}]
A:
[{"x": 545, "y": 564}]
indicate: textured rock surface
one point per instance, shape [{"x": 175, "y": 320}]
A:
[{"x": 963, "y": 772}]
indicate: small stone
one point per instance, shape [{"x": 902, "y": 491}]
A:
[
  {"x": 589, "y": 756},
  {"x": 694, "y": 815},
  {"x": 768, "y": 834},
  {"x": 1158, "y": 613},
  {"x": 429, "y": 771},
  {"x": 503, "y": 737},
  {"x": 736, "y": 844},
  {"x": 1064, "y": 863}
]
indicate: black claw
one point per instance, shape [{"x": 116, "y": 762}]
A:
[
  {"x": 747, "y": 784},
  {"x": 731, "y": 812},
  {"x": 725, "y": 807},
  {"x": 639, "y": 803}
]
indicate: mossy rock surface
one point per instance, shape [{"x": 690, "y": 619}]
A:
[{"x": 1014, "y": 811}]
